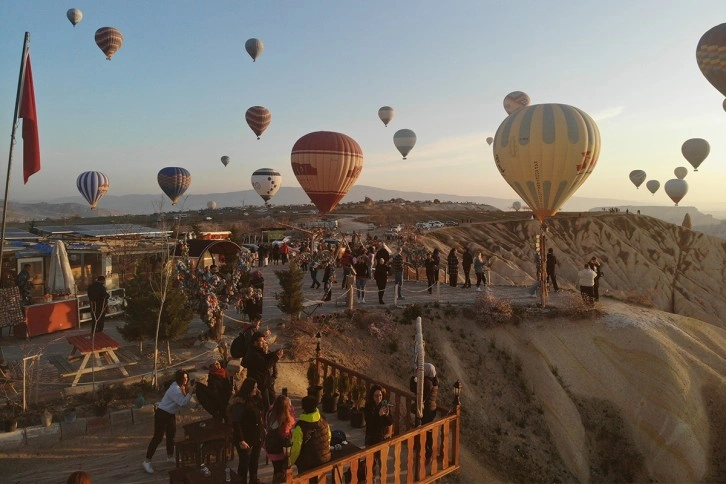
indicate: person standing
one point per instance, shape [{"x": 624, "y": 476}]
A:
[
  {"x": 362, "y": 274},
  {"x": 310, "y": 438},
  {"x": 248, "y": 429},
  {"x": 595, "y": 266},
  {"x": 380, "y": 274},
  {"x": 24, "y": 281},
  {"x": 378, "y": 422},
  {"x": 552, "y": 264},
  {"x": 314, "y": 275},
  {"x": 466, "y": 261},
  {"x": 328, "y": 280},
  {"x": 430, "y": 397},
  {"x": 98, "y": 297},
  {"x": 279, "y": 422},
  {"x": 431, "y": 270},
  {"x": 178, "y": 395},
  {"x": 453, "y": 263},
  {"x": 586, "y": 278},
  {"x": 436, "y": 256},
  {"x": 397, "y": 268},
  {"x": 481, "y": 278},
  {"x": 260, "y": 364}
]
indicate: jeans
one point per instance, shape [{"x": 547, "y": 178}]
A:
[
  {"x": 164, "y": 423},
  {"x": 248, "y": 462},
  {"x": 360, "y": 284},
  {"x": 398, "y": 280}
]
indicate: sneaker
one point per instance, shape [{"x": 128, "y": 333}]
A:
[
  {"x": 170, "y": 458},
  {"x": 148, "y": 467}
]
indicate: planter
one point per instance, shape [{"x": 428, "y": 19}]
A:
[
  {"x": 140, "y": 401},
  {"x": 46, "y": 418},
  {"x": 330, "y": 403},
  {"x": 70, "y": 415},
  {"x": 344, "y": 411},
  {"x": 357, "y": 419},
  {"x": 11, "y": 424},
  {"x": 317, "y": 392}
]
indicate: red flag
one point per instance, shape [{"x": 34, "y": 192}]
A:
[{"x": 31, "y": 142}]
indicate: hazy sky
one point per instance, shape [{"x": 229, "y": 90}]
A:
[{"x": 177, "y": 91}]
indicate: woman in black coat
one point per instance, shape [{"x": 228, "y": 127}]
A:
[
  {"x": 248, "y": 429},
  {"x": 378, "y": 416},
  {"x": 380, "y": 274}
]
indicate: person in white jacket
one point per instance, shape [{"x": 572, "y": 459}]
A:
[{"x": 586, "y": 278}]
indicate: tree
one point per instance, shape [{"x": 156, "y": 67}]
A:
[
  {"x": 415, "y": 255},
  {"x": 290, "y": 300}
]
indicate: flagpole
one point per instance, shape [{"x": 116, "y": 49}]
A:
[{"x": 21, "y": 78}]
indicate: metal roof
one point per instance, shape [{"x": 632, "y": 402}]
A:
[
  {"x": 18, "y": 234},
  {"x": 101, "y": 231}
]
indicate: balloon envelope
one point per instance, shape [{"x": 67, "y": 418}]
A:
[
  {"x": 258, "y": 119},
  {"x": 515, "y": 100},
  {"x": 254, "y": 48},
  {"x": 225, "y": 160},
  {"x": 386, "y": 114},
  {"x": 652, "y": 185},
  {"x": 174, "y": 181},
  {"x": 211, "y": 205},
  {"x": 490, "y": 140},
  {"x": 637, "y": 177},
  {"x": 93, "y": 185},
  {"x": 676, "y": 189},
  {"x": 680, "y": 172},
  {"x": 517, "y": 205},
  {"x": 74, "y": 15},
  {"x": 545, "y": 152},
  {"x": 710, "y": 57},
  {"x": 326, "y": 164},
  {"x": 405, "y": 140},
  {"x": 266, "y": 182},
  {"x": 109, "y": 40},
  {"x": 695, "y": 150}
]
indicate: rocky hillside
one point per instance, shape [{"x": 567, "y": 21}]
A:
[{"x": 646, "y": 261}]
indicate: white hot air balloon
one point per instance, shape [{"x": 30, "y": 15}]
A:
[
  {"x": 266, "y": 182},
  {"x": 405, "y": 140},
  {"x": 211, "y": 205},
  {"x": 676, "y": 189},
  {"x": 74, "y": 16},
  {"x": 680, "y": 172}
]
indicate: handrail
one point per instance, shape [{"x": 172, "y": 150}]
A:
[{"x": 409, "y": 464}]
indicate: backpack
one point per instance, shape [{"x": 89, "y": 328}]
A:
[
  {"x": 273, "y": 440},
  {"x": 338, "y": 437},
  {"x": 238, "y": 347}
]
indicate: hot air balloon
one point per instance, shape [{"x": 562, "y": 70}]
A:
[
  {"x": 93, "y": 185},
  {"x": 517, "y": 206},
  {"x": 225, "y": 160},
  {"x": 723, "y": 104},
  {"x": 637, "y": 177},
  {"x": 653, "y": 186},
  {"x": 211, "y": 205},
  {"x": 258, "y": 118},
  {"x": 676, "y": 189},
  {"x": 710, "y": 57},
  {"x": 405, "y": 140},
  {"x": 514, "y": 101},
  {"x": 680, "y": 172},
  {"x": 174, "y": 181},
  {"x": 386, "y": 114},
  {"x": 545, "y": 152},
  {"x": 74, "y": 15},
  {"x": 326, "y": 165},
  {"x": 254, "y": 48},
  {"x": 109, "y": 40},
  {"x": 695, "y": 150},
  {"x": 266, "y": 182},
  {"x": 490, "y": 140}
]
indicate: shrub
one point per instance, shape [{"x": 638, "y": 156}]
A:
[
  {"x": 492, "y": 311},
  {"x": 411, "y": 313}
]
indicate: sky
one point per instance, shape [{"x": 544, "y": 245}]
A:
[{"x": 176, "y": 92}]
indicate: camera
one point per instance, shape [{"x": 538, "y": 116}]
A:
[{"x": 386, "y": 404}]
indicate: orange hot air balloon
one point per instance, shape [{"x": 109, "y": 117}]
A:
[
  {"x": 109, "y": 40},
  {"x": 711, "y": 57},
  {"x": 327, "y": 165},
  {"x": 258, "y": 118}
]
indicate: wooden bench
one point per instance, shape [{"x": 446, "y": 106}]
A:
[
  {"x": 309, "y": 307},
  {"x": 64, "y": 366}
]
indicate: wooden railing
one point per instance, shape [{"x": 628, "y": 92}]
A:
[{"x": 400, "y": 457}]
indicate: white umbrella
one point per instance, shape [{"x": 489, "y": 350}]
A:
[{"x": 60, "y": 276}]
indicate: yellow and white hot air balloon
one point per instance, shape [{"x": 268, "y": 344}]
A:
[{"x": 546, "y": 152}]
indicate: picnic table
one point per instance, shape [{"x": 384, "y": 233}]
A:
[{"x": 102, "y": 348}]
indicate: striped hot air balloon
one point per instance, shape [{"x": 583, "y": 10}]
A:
[
  {"x": 109, "y": 40},
  {"x": 545, "y": 152},
  {"x": 711, "y": 57},
  {"x": 258, "y": 118},
  {"x": 174, "y": 181},
  {"x": 405, "y": 140},
  {"x": 254, "y": 48},
  {"x": 327, "y": 165},
  {"x": 93, "y": 185},
  {"x": 266, "y": 182},
  {"x": 386, "y": 114}
]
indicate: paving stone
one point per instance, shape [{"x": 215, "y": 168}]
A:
[
  {"x": 11, "y": 440},
  {"x": 121, "y": 418},
  {"x": 143, "y": 414},
  {"x": 43, "y": 435},
  {"x": 73, "y": 429},
  {"x": 97, "y": 424}
]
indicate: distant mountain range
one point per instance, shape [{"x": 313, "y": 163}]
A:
[{"x": 69, "y": 207}]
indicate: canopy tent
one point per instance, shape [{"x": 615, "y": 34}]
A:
[
  {"x": 210, "y": 250},
  {"x": 60, "y": 276}
]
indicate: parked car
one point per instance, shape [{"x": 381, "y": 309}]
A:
[{"x": 451, "y": 223}]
